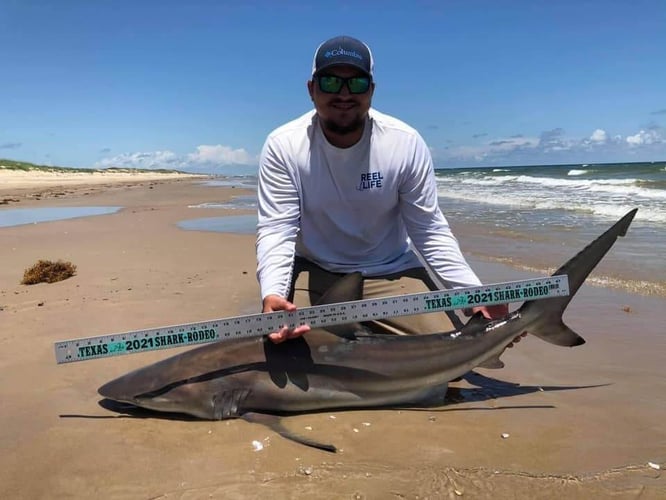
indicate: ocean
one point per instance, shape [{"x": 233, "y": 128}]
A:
[
  {"x": 529, "y": 217},
  {"x": 534, "y": 218},
  {"x": 604, "y": 191}
]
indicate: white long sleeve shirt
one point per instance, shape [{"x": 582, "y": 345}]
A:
[{"x": 351, "y": 209}]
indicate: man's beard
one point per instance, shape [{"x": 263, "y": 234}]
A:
[{"x": 349, "y": 128}]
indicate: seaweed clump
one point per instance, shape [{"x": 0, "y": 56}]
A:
[{"x": 46, "y": 271}]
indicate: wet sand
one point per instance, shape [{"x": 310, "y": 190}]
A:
[{"x": 581, "y": 423}]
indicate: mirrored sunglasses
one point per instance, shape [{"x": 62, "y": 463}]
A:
[{"x": 333, "y": 84}]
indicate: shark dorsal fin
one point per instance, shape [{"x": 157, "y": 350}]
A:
[{"x": 346, "y": 289}]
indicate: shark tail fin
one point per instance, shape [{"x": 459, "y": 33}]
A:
[{"x": 545, "y": 315}]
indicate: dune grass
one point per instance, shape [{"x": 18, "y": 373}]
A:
[{"x": 32, "y": 167}]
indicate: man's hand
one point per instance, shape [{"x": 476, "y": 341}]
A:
[
  {"x": 274, "y": 303},
  {"x": 492, "y": 312}
]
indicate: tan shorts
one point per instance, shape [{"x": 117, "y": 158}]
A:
[{"x": 311, "y": 282}]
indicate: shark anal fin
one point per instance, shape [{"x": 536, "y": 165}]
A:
[
  {"x": 274, "y": 423},
  {"x": 493, "y": 363}
]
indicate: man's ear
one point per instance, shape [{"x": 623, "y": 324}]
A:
[{"x": 311, "y": 89}]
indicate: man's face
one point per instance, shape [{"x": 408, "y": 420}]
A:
[{"x": 343, "y": 113}]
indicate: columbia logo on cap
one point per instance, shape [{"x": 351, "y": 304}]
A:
[{"x": 342, "y": 52}]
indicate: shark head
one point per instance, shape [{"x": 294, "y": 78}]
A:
[
  {"x": 177, "y": 385},
  {"x": 144, "y": 389},
  {"x": 205, "y": 381}
]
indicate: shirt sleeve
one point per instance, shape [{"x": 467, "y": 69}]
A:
[
  {"x": 426, "y": 225},
  {"x": 278, "y": 220}
]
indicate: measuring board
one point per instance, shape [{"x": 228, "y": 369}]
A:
[{"x": 254, "y": 325}]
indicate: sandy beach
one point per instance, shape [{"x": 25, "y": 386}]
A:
[{"x": 577, "y": 423}]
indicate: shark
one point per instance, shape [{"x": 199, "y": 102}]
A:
[{"x": 346, "y": 366}]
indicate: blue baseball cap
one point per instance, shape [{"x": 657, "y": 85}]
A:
[{"x": 343, "y": 50}]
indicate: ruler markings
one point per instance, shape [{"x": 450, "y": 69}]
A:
[{"x": 255, "y": 325}]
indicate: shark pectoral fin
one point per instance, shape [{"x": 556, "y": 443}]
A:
[
  {"x": 494, "y": 363},
  {"x": 274, "y": 423},
  {"x": 558, "y": 333}
]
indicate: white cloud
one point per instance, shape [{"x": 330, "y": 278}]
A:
[
  {"x": 553, "y": 146},
  {"x": 221, "y": 155},
  {"x": 645, "y": 137},
  {"x": 207, "y": 158},
  {"x": 554, "y": 141},
  {"x": 493, "y": 148},
  {"x": 152, "y": 160},
  {"x": 512, "y": 143},
  {"x": 598, "y": 136}
]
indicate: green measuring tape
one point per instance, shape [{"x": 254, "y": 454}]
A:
[{"x": 254, "y": 325}]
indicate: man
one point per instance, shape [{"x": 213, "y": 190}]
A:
[{"x": 346, "y": 188}]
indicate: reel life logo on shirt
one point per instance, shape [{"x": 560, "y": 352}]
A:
[{"x": 371, "y": 180}]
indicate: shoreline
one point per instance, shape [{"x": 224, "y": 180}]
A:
[
  {"x": 19, "y": 186},
  {"x": 477, "y": 240},
  {"x": 582, "y": 422}
]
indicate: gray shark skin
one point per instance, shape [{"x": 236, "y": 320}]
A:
[{"x": 256, "y": 379}]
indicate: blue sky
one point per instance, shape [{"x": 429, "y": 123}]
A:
[{"x": 198, "y": 85}]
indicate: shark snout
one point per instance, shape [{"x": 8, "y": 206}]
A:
[
  {"x": 126, "y": 388},
  {"x": 117, "y": 390}
]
